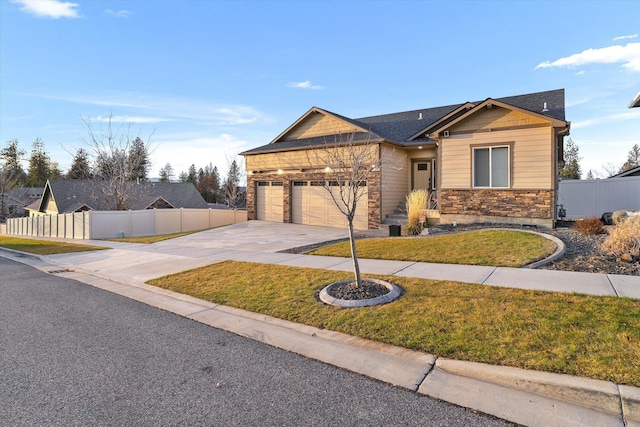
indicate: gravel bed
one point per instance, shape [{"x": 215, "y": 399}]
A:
[{"x": 349, "y": 291}]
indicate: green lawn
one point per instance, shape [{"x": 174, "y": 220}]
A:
[
  {"x": 44, "y": 247},
  {"x": 500, "y": 248},
  {"x": 589, "y": 336}
]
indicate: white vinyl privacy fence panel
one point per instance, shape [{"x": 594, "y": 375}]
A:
[
  {"x": 112, "y": 224},
  {"x": 593, "y": 197}
]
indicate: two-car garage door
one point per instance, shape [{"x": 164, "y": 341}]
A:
[{"x": 311, "y": 204}]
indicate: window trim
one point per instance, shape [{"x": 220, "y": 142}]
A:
[{"x": 490, "y": 147}]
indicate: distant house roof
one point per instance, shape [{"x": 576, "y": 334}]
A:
[
  {"x": 408, "y": 127},
  {"x": 631, "y": 172},
  {"x": 635, "y": 102},
  {"x": 25, "y": 195},
  {"x": 74, "y": 195}
]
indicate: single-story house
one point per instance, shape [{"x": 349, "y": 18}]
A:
[
  {"x": 494, "y": 160},
  {"x": 77, "y": 195},
  {"x": 17, "y": 199}
]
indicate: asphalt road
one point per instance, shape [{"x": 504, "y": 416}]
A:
[{"x": 71, "y": 354}]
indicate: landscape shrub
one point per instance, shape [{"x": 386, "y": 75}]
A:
[
  {"x": 589, "y": 226},
  {"x": 416, "y": 203},
  {"x": 624, "y": 238}
]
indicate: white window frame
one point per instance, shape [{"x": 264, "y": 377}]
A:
[{"x": 490, "y": 148}]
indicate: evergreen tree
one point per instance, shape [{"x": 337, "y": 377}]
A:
[
  {"x": 39, "y": 165},
  {"x": 633, "y": 159},
  {"x": 209, "y": 183},
  {"x": 139, "y": 160},
  {"x": 166, "y": 173},
  {"x": 80, "y": 166},
  {"x": 590, "y": 174},
  {"x": 571, "y": 168},
  {"x": 12, "y": 156}
]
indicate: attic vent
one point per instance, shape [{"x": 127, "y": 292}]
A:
[
  {"x": 445, "y": 134},
  {"x": 419, "y": 116},
  {"x": 544, "y": 108}
]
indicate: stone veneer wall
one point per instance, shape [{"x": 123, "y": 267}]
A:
[
  {"x": 499, "y": 203},
  {"x": 373, "y": 187}
]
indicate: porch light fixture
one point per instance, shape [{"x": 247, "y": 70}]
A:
[
  {"x": 420, "y": 147},
  {"x": 327, "y": 169},
  {"x": 280, "y": 171}
]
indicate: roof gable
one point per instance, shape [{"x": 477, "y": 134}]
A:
[
  {"x": 489, "y": 104},
  {"x": 318, "y": 122}
]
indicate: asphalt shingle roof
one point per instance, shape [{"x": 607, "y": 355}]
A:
[
  {"x": 399, "y": 127},
  {"x": 71, "y": 194}
]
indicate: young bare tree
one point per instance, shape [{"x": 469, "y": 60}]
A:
[
  {"x": 118, "y": 158},
  {"x": 349, "y": 163},
  {"x": 8, "y": 181}
]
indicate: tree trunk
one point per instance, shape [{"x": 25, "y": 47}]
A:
[{"x": 354, "y": 255}]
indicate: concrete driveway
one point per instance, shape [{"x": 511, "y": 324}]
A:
[{"x": 256, "y": 241}]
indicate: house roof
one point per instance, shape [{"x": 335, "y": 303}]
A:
[
  {"x": 635, "y": 102},
  {"x": 71, "y": 195},
  {"x": 629, "y": 172},
  {"x": 24, "y": 195},
  {"x": 405, "y": 128}
]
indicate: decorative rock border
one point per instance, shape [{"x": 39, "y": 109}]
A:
[{"x": 394, "y": 292}]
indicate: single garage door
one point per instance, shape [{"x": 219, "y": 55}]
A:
[
  {"x": 311, "y": 204},
  {"x": 269, "y": 203}
]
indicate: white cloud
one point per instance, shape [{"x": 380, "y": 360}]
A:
[
  {"x": 182, "y": 150},
  {"x": 131, "y": 119},
  {"x": 304, "y": 85},
  {"x": 118, "y": 13},
  {"x": 627, "y": 115},
  {"x": 49, "y": 8},
  {"x": 628, "y": 55},
  {"x": 631, "y": 36},
  {"x": 581, "y": 72},
  {"x": 169, "y": 108}
]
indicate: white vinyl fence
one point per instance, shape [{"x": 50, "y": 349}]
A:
[
  {"x": 593, "y": 197},
  {"x": 112, "y": 224}
]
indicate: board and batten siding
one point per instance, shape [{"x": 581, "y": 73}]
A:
[
  {"x": 531, "y": 156},
  {"x": 396, "y": 174},
  {"x": 318, "y": 125}
]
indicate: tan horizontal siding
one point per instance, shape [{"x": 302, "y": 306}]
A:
[
  {"x": 396, "y": 174},
  {"x": 296, "y": 160},
  {"x": 532, "y": 157}
]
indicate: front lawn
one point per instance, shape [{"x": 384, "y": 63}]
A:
[
  {"x": 500, "y": 248},
  {"x": 590, "y": 336},
  {"x": 44, "y": 247}
]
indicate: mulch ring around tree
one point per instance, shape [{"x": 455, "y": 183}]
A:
[{"x": 371, "y": 292}]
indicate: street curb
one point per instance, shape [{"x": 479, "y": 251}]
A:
[{"x": 526, "y": 397}]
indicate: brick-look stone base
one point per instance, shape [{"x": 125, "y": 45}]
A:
[
  {"x": 373, "y": 186},
  {"x": 535, "y": 204}
]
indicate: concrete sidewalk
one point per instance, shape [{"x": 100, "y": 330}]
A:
[{"x": 525, "y": 397}]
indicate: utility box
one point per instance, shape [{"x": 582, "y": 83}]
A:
[{"x": 395, "y": 230}]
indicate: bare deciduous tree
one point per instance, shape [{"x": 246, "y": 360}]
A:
[
  {"x": 349, "y": 165},
  {"x": 118, "y": 158},
  {"x": 230, "y": 189}
]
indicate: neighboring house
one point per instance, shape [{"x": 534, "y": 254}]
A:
[
  {"x": 17, "y": 199},
  {"x": 77, "y": 195},
  {"x": 488, "y": 161},
  {"x": 635, "y": 102},
  {"x": 631, "y": 172}
]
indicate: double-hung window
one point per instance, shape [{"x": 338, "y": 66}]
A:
[{"x": 491, "y": 167}]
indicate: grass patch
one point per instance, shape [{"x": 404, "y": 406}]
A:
[
  {"x": 44, "y": 247},
  {"x": 500, "y": 248},
  {"x": 589, "y": 336},
  {"x": 153, "y": 239}
]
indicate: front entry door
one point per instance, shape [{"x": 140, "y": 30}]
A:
[{"x": 421, "y": 175}]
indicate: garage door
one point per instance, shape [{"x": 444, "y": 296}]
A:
[
  {"x": 269, "y": 204},
  {"x": 312, "y": 205}
]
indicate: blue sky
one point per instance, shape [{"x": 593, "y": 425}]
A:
[{"x": 207, "y": 79}]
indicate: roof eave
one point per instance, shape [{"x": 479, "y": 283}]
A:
[{"x": 635, "y": 102}]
